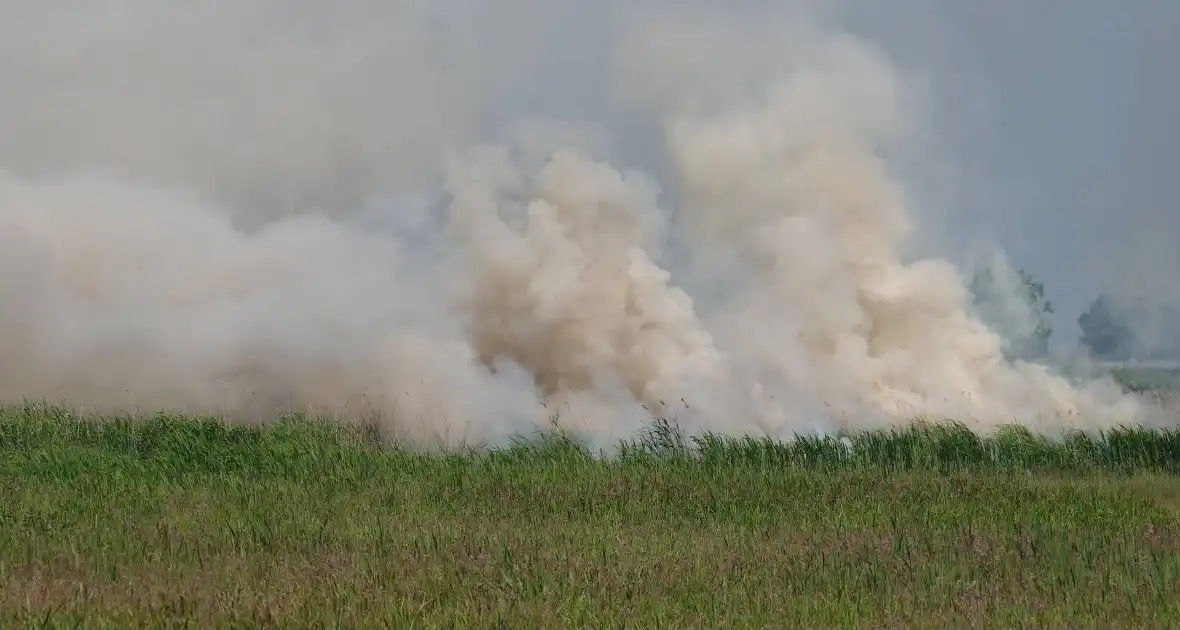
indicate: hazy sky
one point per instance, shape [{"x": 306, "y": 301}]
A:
[{"x": 1077, "y": 137}]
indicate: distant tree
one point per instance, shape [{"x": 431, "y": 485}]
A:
[
  {"x": 1036, "y": 344},
  {"x": 1106, "y": 332},
  {"x": 1015, "y": 305},
  {"x": 1141, "y": 328}
]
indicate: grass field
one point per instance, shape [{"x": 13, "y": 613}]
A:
[{"x": 172, "y": 522}]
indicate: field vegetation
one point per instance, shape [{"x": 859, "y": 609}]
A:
[{"x": 185, "y": 522}]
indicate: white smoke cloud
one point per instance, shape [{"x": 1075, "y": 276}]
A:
[{"x": 297, "y": 206}]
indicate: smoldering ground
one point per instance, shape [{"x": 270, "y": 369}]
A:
[{"x": 464, "y": 218}]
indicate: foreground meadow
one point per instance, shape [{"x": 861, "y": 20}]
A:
[{"x": 173, "y": 522}]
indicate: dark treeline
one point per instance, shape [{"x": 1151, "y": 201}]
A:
[{"x": 1113, "y": 328}]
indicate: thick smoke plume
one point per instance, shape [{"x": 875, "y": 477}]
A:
[{"x": 289, "y": 206}]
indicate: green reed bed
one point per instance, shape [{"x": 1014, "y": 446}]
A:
[{"x": 170, "y": 521}]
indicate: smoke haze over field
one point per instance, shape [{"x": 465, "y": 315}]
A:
[{"x": 453, "y": 212}]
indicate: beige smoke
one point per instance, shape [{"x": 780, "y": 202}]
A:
[
  {"x": 574, "y": 297},
  {"x": 545, "y": 290}
]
